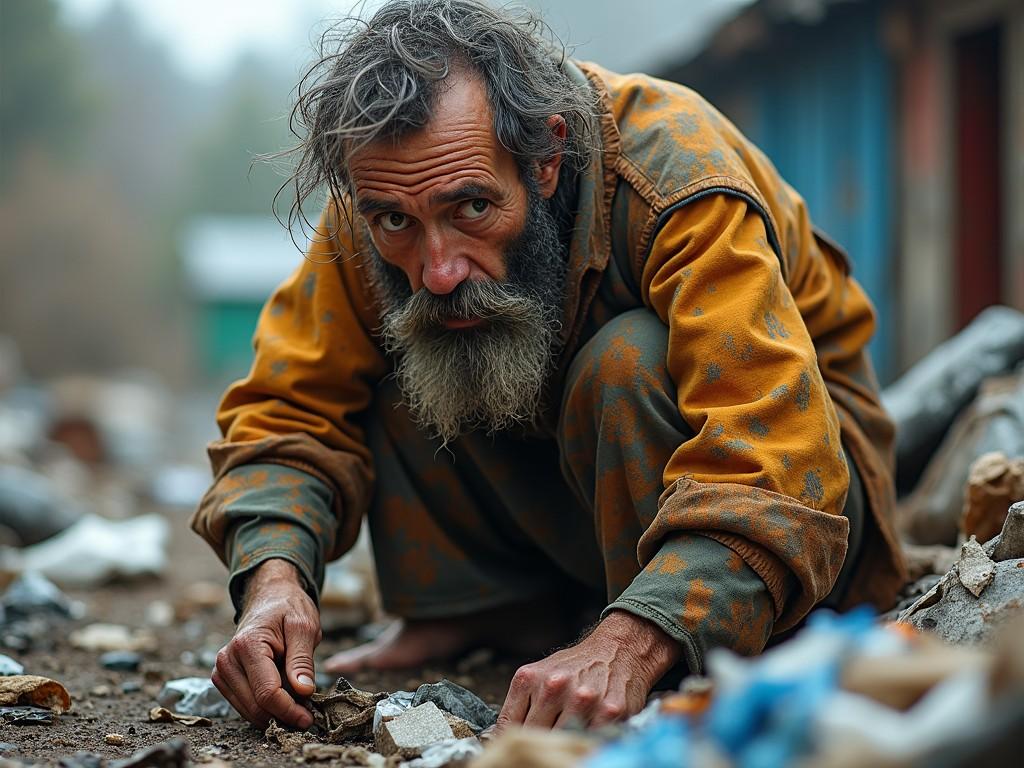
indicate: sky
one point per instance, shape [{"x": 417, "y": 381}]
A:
[{"x": 205, "y": 37}]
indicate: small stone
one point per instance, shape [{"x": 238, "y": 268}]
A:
[
  {"x": 976, "y": 569},
  {"x": 121, "y": 661},
  {"x": 459, "y": 701},
  {"x": 115, "y": 739},
  {"x": 413, "y": 731},
  {"x": 131, "y": 686},
  {"x": 100, "y": 690},
  {"x": 112, "y": 637}
]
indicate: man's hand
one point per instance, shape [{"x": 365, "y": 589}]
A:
[
  {"x": 279, "y": 622},
  {"x": 603, "y": 678}
]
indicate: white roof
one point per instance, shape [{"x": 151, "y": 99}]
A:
[{"x": 237, "y": 257}]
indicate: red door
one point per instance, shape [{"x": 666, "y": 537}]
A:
[{"x": 978, "y": 191}]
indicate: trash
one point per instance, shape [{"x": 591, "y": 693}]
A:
[
  {"x": 34, "y": 691},
  {"x": 31, "y": 509},
  {"x": 343, "y": 754},
  {"x": 121, "y": 661},
  {"x": 115, "y": 739},
  {"x": 95, "y": 550},
  {"x": 26, "y": 716},
  {"x": 933, "y": 513},
  {"x": 448, "y": 754},
  {"x": 927, "y": 398},
  {"x": 994, "y": 483},
  {"x": 975, "y": 569},
  {"x": 412, "y": 731},
  {"x": 458, "y": 701},
  {"x": 288, "y": 740},
  {"x": 9, "y": 666},
  {"x": 660, "y": 745},
  {"x": 164, "y": 715},
  {"x": 195, "y": 696},
  {"x": 101, "y": 638},
  {"x": 536, "y": 748},
  {"x": 345, "y": 712},
  {"x": 392, "y": 706},
  {"x": 1010, "y": 544}
]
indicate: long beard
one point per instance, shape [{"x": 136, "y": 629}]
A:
[{"x": 491, "y": 376}]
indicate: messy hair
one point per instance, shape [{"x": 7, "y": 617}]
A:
[{"x": 380, "y": 78}]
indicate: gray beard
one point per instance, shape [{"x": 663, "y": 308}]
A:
[{"x": 491, "y": 376}]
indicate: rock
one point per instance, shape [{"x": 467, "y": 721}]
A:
[
  {"x": 950, "y": 611},
  {"x": 461, "y": 729},
  {"x": 115, "y": 739},
  {"x": 975, "y": 569},
  {"x": 31, "y": 594},
  {"x": 413, "y": 731},
  {"x": 159, "y": 613},
  {"x": 457, "y": 700},
  {"x": 448, "y": 754},
  {"x": 131, "y": 686},
  {"x": 195, "y": 696},
  {"x": 26, "y": 716},
  {"x": 993, "y": 484},
  {"x": 99, "y": 638},
  {"x": 1011, "y": 539},
  {"x": 345, "y": 712},
  {"x": 9, "y": 666},
  {"x": 83, "y": 759},
  {"x": 34, "y": 691},
  {"x": 164, "y": 715},
  {"x": 121, "y": 661},
  {"x": 168, "y": 754}
]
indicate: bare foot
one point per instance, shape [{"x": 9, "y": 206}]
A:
[{"x": 528, "y": 629}]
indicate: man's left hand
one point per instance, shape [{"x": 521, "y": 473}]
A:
[{"x": 603, "y": 678}]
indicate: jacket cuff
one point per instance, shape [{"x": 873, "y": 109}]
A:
[
  {"x": 254, "y": 541},
  {"x": 704, "y": 595}
]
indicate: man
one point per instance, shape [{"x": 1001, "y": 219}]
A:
[{"x": 566, "y": 337}]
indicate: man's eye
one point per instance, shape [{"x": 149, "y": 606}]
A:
[
  {"x": 393, "y": 222},
  {"x": 474, "y": 209}
]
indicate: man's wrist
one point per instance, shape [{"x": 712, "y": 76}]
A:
[
  {"x": 654, "y": 651},
  {"x": 275, "y": 570}
]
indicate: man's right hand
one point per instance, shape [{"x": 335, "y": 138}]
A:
[{"x": 279, "y": 622}]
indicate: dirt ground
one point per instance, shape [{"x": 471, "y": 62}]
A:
[{"x": 100, "y": 707}]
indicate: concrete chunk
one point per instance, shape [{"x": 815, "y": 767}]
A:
[
  {"x": 413, "y": 731},
  {"x": 1010, "y": 544}
]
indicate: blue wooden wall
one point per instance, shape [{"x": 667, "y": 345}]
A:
[{"x": 820, "y": 104}]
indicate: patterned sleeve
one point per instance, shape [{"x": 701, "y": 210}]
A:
[{"x": 765, "y": 475}]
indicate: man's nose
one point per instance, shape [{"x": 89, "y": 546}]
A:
[{"x": 443, "y": 268}]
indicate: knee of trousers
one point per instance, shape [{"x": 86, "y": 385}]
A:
[{"x": 619, "y": 396}]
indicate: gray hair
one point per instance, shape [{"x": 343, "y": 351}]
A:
[{"x": 379, "y": 78}]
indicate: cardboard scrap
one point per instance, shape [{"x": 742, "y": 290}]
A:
[
  {"x": 164, "y": 715},
  {"x": 345, "y": 712}
]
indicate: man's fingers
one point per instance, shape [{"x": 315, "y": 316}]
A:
[
  {"x": 517, "y": 700},
  {"x": 579, "y": 709},
  {"x": 231, "y": 681},
  {"x": 547, "y": 700},
  {"x": 265, "y": 682},
  {"x": 301, "y": 636}
]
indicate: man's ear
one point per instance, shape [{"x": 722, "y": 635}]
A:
[{"x": 547, "y": 172}]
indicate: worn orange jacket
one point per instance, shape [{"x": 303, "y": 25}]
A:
[{"x": 767, "y": 346}]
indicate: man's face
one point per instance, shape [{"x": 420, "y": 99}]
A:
[{"x": 467, "y": 261}]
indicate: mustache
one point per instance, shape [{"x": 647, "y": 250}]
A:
[{"x": 425, "y": 313}]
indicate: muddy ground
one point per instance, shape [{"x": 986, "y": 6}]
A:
[{"x": 101, "y": 707}]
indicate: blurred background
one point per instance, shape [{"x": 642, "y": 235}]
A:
[{"x": 137, "y": 242}]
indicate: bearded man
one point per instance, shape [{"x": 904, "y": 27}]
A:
[{"x": 567, "y": 339}]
